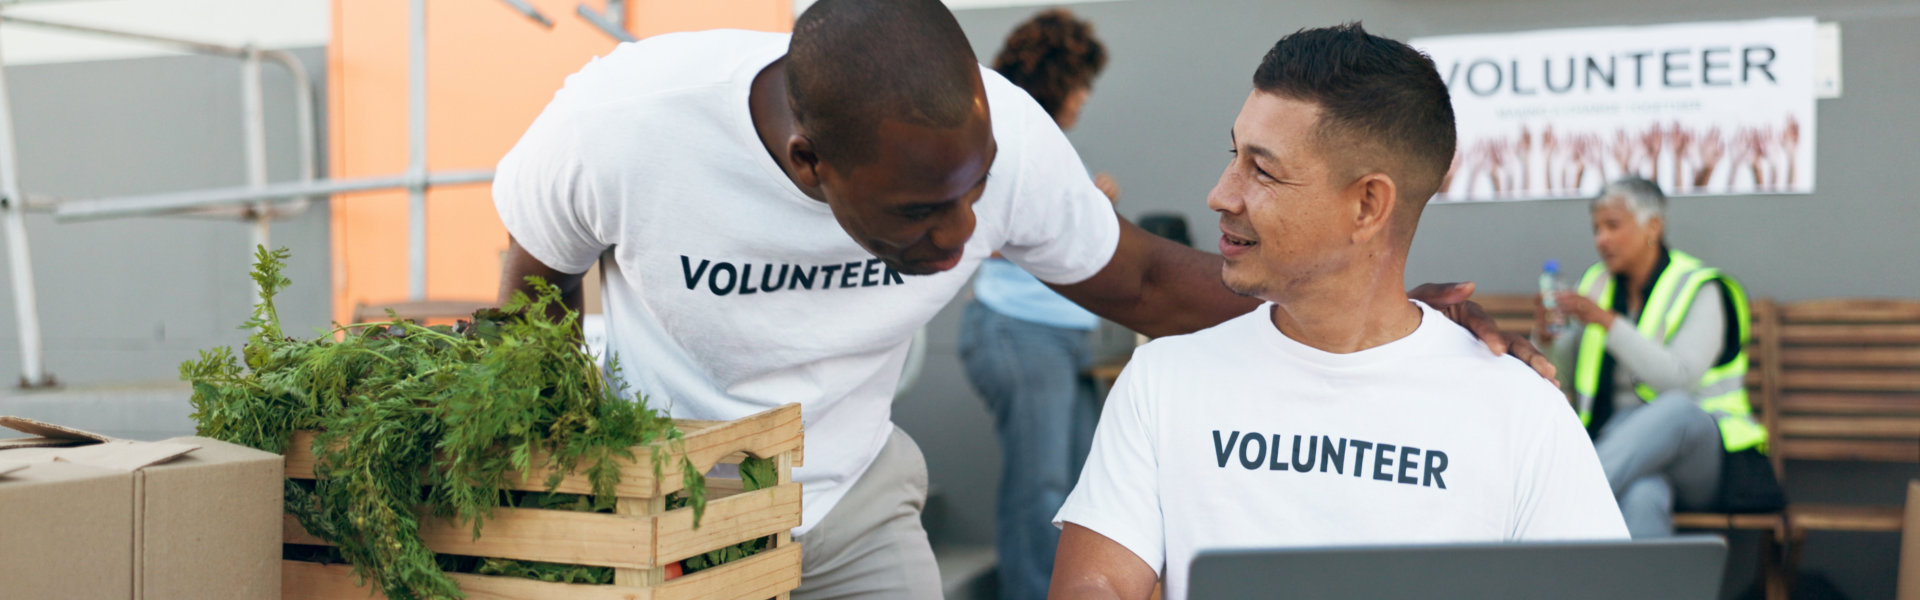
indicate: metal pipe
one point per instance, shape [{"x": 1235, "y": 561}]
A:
[
  {"x": 308, "y": 126},
  {"x": 417, "y": 154},
  {"x": 189, "y": 45},
  {"x": 530, "y": 12},
  {"x": 304, "y": 96},
  {"x": 147, "y": 205},
  {"x": 26, "y": 308},
  {"x": 613, "y": 23},
  {"x": 254, "y": 128}
]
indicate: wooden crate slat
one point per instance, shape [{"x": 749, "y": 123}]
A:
[
  {"x": 1852, "y": 310},
  {"x": 628, "y": 541},
  {"x": 300, "y": 457},
  {"x": 1836, "y": 517},
  {"x": 313, "y": 581},
  {"x": 1842, "y": 403},
  {"x": 1871, "y": 334},
  {"x": 762, "y": 575},
  {"x": 1870, "y": 357},
  {"x": 765, "y": 434},
  {"x": 1855, "y": 380},
  {"x": 556, "y": 536},
  {"x": 1864, "y": 450},
  {"x": 1851, "y": 427},
  {"x": 729, "y": 521}
]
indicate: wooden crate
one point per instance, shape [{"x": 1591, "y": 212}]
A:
[{"x": 638, "y": 541}]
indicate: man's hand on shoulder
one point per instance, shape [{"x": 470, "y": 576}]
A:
[
  {"x": 1451, "y": 299},
  {"x": 1091, "y": 566}
]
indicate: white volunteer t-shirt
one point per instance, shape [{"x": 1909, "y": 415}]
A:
[
  {"x": 1220, "y": 439},
  {"x": 729, "y": 292}
]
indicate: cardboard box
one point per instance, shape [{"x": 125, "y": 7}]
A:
[{"x": 90, "y": 517}]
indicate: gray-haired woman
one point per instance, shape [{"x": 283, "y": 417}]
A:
[{"x": 1658, "y": 367}]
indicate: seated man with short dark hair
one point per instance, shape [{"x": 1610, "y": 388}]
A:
[{"x": 1341, "y": 412}]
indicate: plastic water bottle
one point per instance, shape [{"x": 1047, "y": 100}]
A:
[{"x": 1550, "y": 288}]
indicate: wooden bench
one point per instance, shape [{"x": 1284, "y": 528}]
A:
[
  {"x": 1834, "y": 381},
  {"x": 1514, "y": 314},
  {"x": 1847, "y": 387}
]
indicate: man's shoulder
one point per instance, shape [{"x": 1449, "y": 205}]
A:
[
  {"x": 667, "y": 67},
  {"x": 1462, "y": 360},
  {"x": 1203, "y": 347}
]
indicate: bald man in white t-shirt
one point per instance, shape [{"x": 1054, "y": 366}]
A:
[{"x": 1340, "y": 412}]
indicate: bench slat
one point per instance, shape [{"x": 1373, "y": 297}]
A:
[
  {"x": 1851, "y": 427},
  {"x": 1894, "y": 357},
  {"x": 1758, "y": 522},
  {"x": 1842, "y": 403},
  {"x": 1838, "y": 517},
  {"x": 1851, "y": 310},
  {"x": 1875, "y": 334},
  {"x": 1840, "y": 450},
  {"x": 1850, "y": 380}
]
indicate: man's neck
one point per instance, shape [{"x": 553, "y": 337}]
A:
[
  {"x": 1348, "y": 313},
  {"x": 773, "y": 118}
]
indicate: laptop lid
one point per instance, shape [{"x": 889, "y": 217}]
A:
[{"x": 1682, "y": 568}]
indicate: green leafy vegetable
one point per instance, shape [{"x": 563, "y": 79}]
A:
[
  {"x": 755, "y": 473},
  {"x": 440, "y": 417}
]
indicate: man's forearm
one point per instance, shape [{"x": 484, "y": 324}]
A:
[
  {"x": 519, "y": 265},
  {"x": 1182, "y": 293},
  {"x": 1158, "y": 287}
]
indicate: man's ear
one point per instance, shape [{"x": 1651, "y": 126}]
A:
[
  {"x": 1375, "y": 207},
  {"x": 806, "y": 163}
]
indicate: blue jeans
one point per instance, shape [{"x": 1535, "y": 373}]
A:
[
  {"x": 1044, "y": 410},
  {"x": 1659, "y": 457}
]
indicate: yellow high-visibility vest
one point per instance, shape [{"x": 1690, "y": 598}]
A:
[{"x": 1722, "y": 392}]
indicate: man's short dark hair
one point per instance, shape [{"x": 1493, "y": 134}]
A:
[
  {"x": 853, "y": 63},
  {"x": 1376, "y": 96}
]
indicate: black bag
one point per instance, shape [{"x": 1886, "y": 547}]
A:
[{"x": 1747, "y": 484}]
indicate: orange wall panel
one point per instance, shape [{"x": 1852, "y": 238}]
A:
[{"x": 489, "y": 72}]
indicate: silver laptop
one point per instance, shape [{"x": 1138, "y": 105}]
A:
[{"x": 1682, "y": 568}]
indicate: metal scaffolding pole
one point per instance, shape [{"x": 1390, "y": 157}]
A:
[
  {"x": 303, "y": 93},
  {"x": 417, "y": 154},
  {"x": 258, "y": 195},
  {"x": 255, "y": 134},
  {"x": 151, "y": 205},
  {"x": 612, "y": 22},
  {"x": 26, "y": 308}
]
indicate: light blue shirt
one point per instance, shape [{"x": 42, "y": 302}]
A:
[{"x": 1011, "y": 291}]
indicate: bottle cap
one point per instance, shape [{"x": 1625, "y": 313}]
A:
[{"x": 1551, "y": 266}]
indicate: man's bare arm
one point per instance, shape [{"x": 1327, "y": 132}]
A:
[
  {"x": 1157, "y": 287},
  {"x": 519, "y": 265},
  {"x": 1089, "y": 565}
]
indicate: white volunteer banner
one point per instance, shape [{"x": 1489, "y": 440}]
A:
[{"x": 1700, "y": 108}]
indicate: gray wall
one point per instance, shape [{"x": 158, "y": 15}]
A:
[
  {"x": 127, "y": 300},
  {"x": 1158, "y": 121}
]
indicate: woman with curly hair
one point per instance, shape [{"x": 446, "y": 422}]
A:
[{"x": 1025, "y": 347}]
